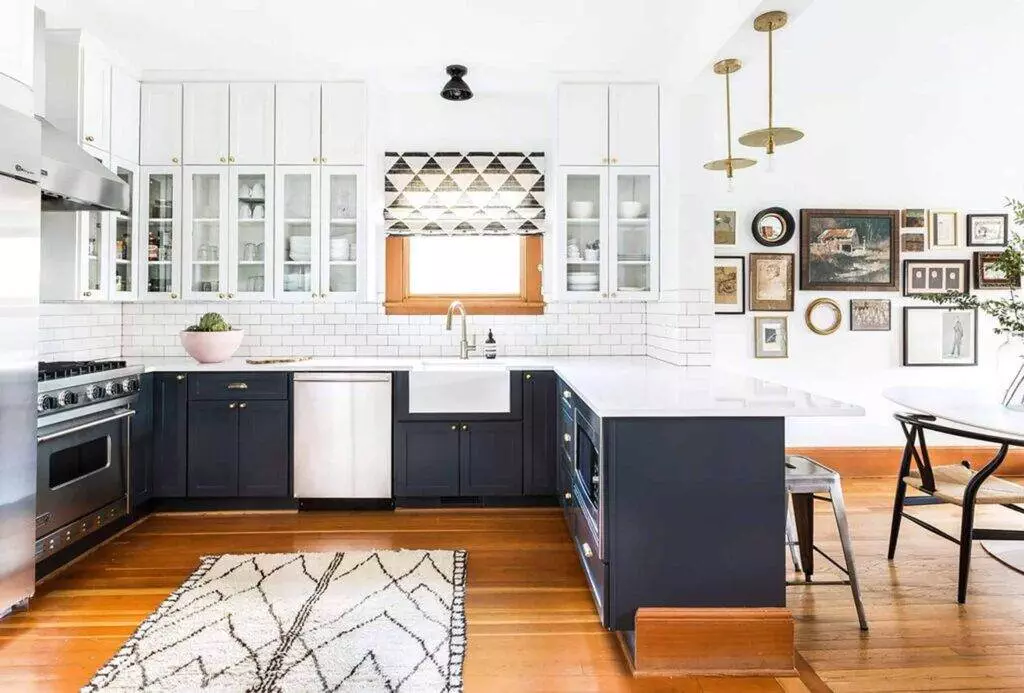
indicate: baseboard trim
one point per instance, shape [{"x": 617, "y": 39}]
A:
[
  {"x": 885, "y": 461},
  {"x": 712, "y": 642}
]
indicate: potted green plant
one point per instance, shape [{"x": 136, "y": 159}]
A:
[
  {"x": 1008, "y": 311},
  {"x": 211, "y": 340}
]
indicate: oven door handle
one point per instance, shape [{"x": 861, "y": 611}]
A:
[{"x": 124, "y": 414}]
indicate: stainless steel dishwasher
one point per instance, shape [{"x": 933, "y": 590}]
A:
[{"x": 342, "y": 435}]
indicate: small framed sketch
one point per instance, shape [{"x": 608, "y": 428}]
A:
[
  {"x": 771, "y": 281},
  {"x": 943, "y": 232},
  {"x": 913, "y": 241},
  {"x": 914, "y": 219},
  {"x": 988, "y": 276},
  {"x": 935, "y": 276},
  {"x": 730, "y": 285},
  {"x": 937, "y": 336},
  {"x": 988, "y": 229},
  {"x": 725, "y": 227},
  {"x": 870, "y": 315},
  {"x": 771, "y": 337}
]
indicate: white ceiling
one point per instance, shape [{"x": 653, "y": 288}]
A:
[{"x": 504, "y": 42}]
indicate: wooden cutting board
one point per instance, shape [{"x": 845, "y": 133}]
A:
[{"x": 277, "y": 359}]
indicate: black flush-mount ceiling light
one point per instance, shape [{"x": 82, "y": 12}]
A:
[{"x": 456, "y": 89}]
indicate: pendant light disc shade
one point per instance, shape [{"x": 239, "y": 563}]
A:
[
  {"x": 724, "y": 164},
  {"x": 781, "y": 136},
  {"x": 727, "y": 66},
  {"x": 770, "y": 21},
  {"x": 456, "y": 89}
]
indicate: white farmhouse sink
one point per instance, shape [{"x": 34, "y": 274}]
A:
[{"x": 451, "y": 386}]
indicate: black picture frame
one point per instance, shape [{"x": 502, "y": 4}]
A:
[
  {"x": 965, "y": 273},
  {"x": 869, "y": 221},
  {"x": 789, "y": 226},
  {"x": 1006, "y": 231},
  {"x": 906, "y": 341},
  {"x": 741, "y": 289}
]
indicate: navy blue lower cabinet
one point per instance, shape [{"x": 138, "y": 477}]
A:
[
  {"x": 426, "y": 459},
  {"x": 263, "y": 448},
  {"x": 540, "y": 424},
  {"x": 141, "y": 444},
  {"x": 491, "y": 459},
  {"x": 212, "y": 449},
  {"x": 170, "y": 433}
]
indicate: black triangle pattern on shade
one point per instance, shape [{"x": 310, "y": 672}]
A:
[{"x": 464, "y": 193}]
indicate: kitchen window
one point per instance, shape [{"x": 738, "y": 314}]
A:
[{"x": 491, "y": 275}]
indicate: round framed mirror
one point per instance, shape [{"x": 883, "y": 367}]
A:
[
  {"x": 823, "y": 316},
  {"x": 773, "y": 227}
]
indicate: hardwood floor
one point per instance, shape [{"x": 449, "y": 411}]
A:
[{"x": 532, "y": 625}]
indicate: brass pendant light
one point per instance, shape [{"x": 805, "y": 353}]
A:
[
  {"x": 771, "y": 136},
  {"x": 729, "y": 164}
]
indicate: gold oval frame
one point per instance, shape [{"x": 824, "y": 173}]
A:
[{"x": 836, "y": 310}]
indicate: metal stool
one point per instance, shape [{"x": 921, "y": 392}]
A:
[{"x": 805, "y": 478}]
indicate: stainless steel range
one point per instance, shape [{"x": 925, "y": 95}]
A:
[{"x": 83, "y": 436}]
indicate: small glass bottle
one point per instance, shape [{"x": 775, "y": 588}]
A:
[{"x": 490, "y": 346}]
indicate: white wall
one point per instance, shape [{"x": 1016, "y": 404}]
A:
[{"x": 904, "y": 104}]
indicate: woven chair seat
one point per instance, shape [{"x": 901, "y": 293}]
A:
[{"x": 951, "y": 480}]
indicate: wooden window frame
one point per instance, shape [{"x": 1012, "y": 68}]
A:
[{"x": 528, "y": 301}]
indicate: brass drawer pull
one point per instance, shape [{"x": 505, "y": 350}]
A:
[{"x": 238, "y": 386}]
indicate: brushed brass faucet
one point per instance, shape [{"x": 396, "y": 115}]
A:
[{"x": 465, "y": 346}]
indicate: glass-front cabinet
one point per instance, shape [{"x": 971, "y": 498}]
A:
[
  {"x": 633, "y": 237},
  {"x": 160, "y": 204},
  {"x": 319, "y": 232},
  {"x": 124, "y": 260},
  {"x": 251, "y": 237},
  {"x": 95, "y": 232},
  {"x": 206, "y": 232},
  {"x": 609, "y": 246}
]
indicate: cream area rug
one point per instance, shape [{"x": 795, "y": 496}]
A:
[{"x": 352, "y": 621}]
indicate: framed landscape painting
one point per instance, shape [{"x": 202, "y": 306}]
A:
[{"x": 849, "y": 249}]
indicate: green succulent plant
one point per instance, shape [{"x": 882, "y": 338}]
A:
[
  {"x": 1008, "y": 312},
  {"x": 210, "y": 322}
]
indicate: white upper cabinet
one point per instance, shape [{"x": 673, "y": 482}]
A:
[
  {"x": 95, "y": 115},
  {"x": 298, "y": 123},
  {"x": 17, "y": 28},
  {"x": 124, "y": 117},
  {"x": 583, "y": 124},
  {"x": 633, "y": 124},
  {"x": 252, "y": 124},
  {"x": 601, "y": 124},
  {"x": 343, "y": 120},
  {"x": 161, "y": 125},
  {"x": 205, "y": 123}
]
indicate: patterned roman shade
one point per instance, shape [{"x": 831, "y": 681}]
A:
[{"x": 453, "y": 193}]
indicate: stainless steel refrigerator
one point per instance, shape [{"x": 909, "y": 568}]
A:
[{"x": 20, "y": 157}]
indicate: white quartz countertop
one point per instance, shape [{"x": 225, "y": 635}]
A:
[
  {"x": 613, "y": 386},
  {"x": 973, "y": 408}
]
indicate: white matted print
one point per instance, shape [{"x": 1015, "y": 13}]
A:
[
  {"x": 936, "y": 336},
  {"x": 771, "y": 337},
  {"x": 944, "y": 230}
]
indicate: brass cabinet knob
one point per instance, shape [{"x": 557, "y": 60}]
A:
[
  {"x": 528, "y": 376},
  {"x": 465, "y": 427},
  {"x": 566, "y": 437},
  {"x": 180, "y": 377},
  {"x": 566, "y": 394},
  {"x": 323, "y": 160},
  {"x": 223, "y": 160},
  {"x": 220, "y": 296},
  {"x": 231, "y": 295},
  {"x": 568, "y": 496},
  {"x": 174, "y": 159},
  {"x": 316, "y": 159},
  {"x": 587, "y": 551},
  {"x": 88, "y": 138},
  {"x": 314, "y": 295},
  {"x": 613, "y": 294},
  {"x": 323, "y": 295},
  {"x": 87, "y": 293},
  {"x": 454, "y": 426},
  {"x": 232, "y": 405},
  {"x": 604, "y": 295},
  {"x": 174, "y": 295},
  {"x": 242, "y": 405},
  {"x": 231, "y": 159}
]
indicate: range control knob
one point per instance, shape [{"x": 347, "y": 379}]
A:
[
  {"x": 46, "y": 403},
  {"x": 130, "y": 384},
  {"x": 94, "y": 392},
  {"x": 113, "y": 389},
  {"x": 66, "y": 398}
]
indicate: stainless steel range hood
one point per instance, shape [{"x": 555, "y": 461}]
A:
[{"x": 72, "y": 180}]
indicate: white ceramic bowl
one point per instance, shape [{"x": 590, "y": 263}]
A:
[
  {"x": 581, "y": 209},
  {"x": 630, "y": 210},
  {"x": 211, "y": 347}
]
